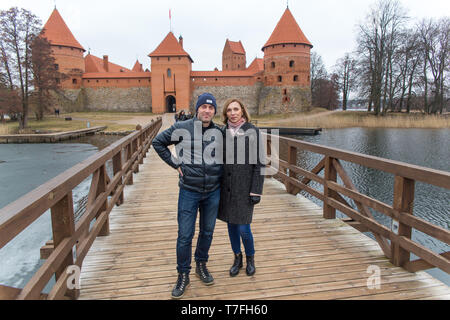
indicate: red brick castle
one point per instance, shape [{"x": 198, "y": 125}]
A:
[{"x": 280, "y": 82}]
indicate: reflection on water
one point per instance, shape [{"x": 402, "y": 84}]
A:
[
  {"x": 23, "y": 167},
  {"x": 424, "y": 147}
]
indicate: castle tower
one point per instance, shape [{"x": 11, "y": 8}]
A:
[
  {"x": 287, "y": 55},
  {"x": 233, "y": 56},
  {"x": 171, "y": 68},
  {"x": 67, "y": 51}
]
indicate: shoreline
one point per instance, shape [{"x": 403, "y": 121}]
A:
[{"x": 120, "y": 124}]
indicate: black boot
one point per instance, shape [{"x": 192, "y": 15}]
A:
[
  {"x": 236, "y": 265},
  {"x": 202, "y": 271},
  {"x": 180, "y": 286},
  {"x": 250, "y": 270}
]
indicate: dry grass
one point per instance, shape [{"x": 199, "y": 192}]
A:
[
  {"x": 4, "y": 129},
  {"x": 350, "y": 119},
  {"x": 107, "y": 116},
  {"x": 51, "y": 125}
]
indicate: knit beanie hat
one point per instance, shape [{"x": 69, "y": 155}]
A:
[{"x": 206, "y": 98}]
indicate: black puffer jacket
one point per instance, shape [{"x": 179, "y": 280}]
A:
[
  {"x": 239, "y": 180},
  {"x": 198, "y": 175}
]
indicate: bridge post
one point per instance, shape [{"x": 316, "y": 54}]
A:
[
  {"x": 129, "y": 155},
  {"x": 403, "y": 202},
  {"x": 63, "y": 226},
  {"x": 117, "y": 167},
  {"x": 329, "y": 212},
  {"x": 102, "y": 183},
  {"x": 292, "y": 160}
]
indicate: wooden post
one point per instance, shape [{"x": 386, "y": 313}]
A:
[
  {"x": 129, "y": 155},
  {"x": 135, "y": 148},
  {"x": 330, "y": 175},
  {"x": 403, "y": 202},
  {"x": 292, "y": 160},
  {"x": 140, "y": 143},
  {"x": 100, "y": 189},
  {"x": 117, "y": 167},
  {"x": 63, "y": 226}
]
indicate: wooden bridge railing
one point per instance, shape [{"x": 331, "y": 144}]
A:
[
  {"x": 56, "y": 195},
  {"x": 401, "y": 244}
]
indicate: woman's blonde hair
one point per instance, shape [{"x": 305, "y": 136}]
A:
[{"x": 245, "y": 112}]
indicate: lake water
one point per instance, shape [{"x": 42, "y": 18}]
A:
[
  {"x": 23, "y": 167},
  {"x": 424, "y": 147}
]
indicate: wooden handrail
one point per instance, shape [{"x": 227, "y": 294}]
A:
[
  {"x": 56, "y": 195},
  {"x": 401, "y": 244}
]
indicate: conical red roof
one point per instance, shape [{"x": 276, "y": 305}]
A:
[
  {"x": 287, "y": 31},
  {"x": 169, "y": 47},
  {"x": 57, "y": 32}
]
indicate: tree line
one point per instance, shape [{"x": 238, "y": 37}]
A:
[
  {"x": 28, "y": 73},
  {"x": 399, "y": 64}
]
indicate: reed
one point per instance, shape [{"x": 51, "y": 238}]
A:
[
  {"x": 4, "y": 129},
  {"x": 362, "y": 119}
]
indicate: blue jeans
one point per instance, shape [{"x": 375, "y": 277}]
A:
[
  {"x": 188, "y": 204},
  {"x": 238, "y": 231}
]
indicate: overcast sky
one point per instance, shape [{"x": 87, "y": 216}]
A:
[{"x": 130, "y": 29}]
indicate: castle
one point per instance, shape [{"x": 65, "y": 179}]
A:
[{"x": 280, "y": 82}]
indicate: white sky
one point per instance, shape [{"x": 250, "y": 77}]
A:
[{"x": 130, "y": 29}]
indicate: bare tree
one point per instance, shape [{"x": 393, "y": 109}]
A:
[
  {"x": 345, "y": 71},
  {"x": 318, "y": 73},
  {"x": 18, "y": 29},
  {"x": 434, "y": 37},
  {"x": 408, "y": 58},
  {"x": 376, "y": 41},
  {"x": 45, "y": 75}
]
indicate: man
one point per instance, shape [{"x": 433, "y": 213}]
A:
[{"x": 199, "y": 187}]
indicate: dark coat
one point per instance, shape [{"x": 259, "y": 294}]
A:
[
  {"x": 239, "y": 180},
  {"x": 197, "y": 176}
]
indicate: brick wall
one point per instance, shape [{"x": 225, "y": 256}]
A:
[
  {"x": 137, "y": 99},
  {"x": 247, "y": 94}
]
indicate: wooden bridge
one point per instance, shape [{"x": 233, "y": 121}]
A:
[{"x": 302, "y": 251}]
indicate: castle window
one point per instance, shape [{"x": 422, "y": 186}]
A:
[
  {"x": 295, "y": 78},
  {"x": 273, "y": 64},
  {"x": 284, "y": 91},
  {"x": 74, "y": 81},
  {"x": 56, "y": 66},
  {"x": 239, "y": 65},
  {"x": 169, "y": 73},
  {"x": 291, "y": 63},
  {"x": 280, "y": 78}
]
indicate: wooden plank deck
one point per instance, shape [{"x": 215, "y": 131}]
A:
[{"x": 299, "y": 255}]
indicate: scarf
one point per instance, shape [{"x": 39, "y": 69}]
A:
[{"x": 234, "y": 127}]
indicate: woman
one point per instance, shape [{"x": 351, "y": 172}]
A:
[{"x": 242, "y": 182}]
